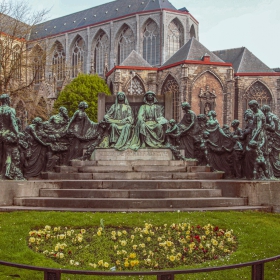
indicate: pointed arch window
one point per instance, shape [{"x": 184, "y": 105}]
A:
[
  {"x": 126, "y": 44},
  {"x": 78, "y": 57},
  {"x": 192, "y": 32},
  {"x": 259, "y": 92},
  {"x": 16, "y": 62},
  {"x": 151, "y": 43},
  {"x": 171, "y": 85},
  {"x": 136, "y": 87},
  {"x": 38, "y": 64},
  {"x": 101, "y": 52},
  {"x": 58, "y": 61},
  {"x": 174, "y": 37}
]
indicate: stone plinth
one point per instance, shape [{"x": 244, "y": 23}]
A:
[{"x": 141, "y": 154}]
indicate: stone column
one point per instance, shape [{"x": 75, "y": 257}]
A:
[
  {"x": 163, "y": 36},
  {"x": 88, "y": 58},
  {"x": 112, "y": 58},
  {"x": 137, "y": 34}
]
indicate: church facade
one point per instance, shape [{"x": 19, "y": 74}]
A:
[{"x": 150, "y": 45}]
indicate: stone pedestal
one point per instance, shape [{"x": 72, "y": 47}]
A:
[{"x": 141, "y": 154}]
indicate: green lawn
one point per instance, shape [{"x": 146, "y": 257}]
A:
[{"x": 258, "y": 236}]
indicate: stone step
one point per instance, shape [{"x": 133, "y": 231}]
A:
[
  {"x": 125, "y": 193},
  {"x": 133, "y": 176},
  {"x": 66, "y": 169},
  {"x": 70, "y": 209},
  {"x": 105, "y": 169},
  {"x": 80, "y": 163},
  {"x": 131, "y": 203},
  {"x": 128, "y": 184}
]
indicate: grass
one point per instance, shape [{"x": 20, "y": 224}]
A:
[{"x": 258, "y": 237}]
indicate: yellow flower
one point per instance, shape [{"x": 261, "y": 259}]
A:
[
  {"x": 159, "y": 239},
  {"x": 61, "y": 255},
  {"x": 172, "y": 258},
  {"x": 71, "y": 262},
  {"x": 47, "y": 228},
  {"x": 119, "y": 233},
  {"x": 83, "y": 231},
  {"x": 214, "y": 242},
  {"x": 99, "y": 233},
  {"x": 124, "y": 232},
  {"x": 132, "y": 255},
  {"x": 93, "y": 265},
  {"x": 100, "y": 229},
  {"x": 118, "y": 262},
  {"x": 134, "y": 247},
  {"x": 132, "y": 237},
  {"x": 106, "y": 264},
  {"x": 123, "y": 242},
  {"x": 31, "y": 239},
  {"x": 100, "y": 263},
  {"x": 126, "y": 264},
  {"x": 149, "y": 238},
  {"x": 169, "y": 243}
]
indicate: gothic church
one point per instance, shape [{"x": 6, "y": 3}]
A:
[{"x": 142, "y": 45}]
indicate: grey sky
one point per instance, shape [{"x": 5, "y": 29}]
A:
[{"x": 223, "y": 24}]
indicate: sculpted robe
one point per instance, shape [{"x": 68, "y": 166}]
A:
[
  {"x": 149, "y": 131},
  {"x": 120, "y": 119}
]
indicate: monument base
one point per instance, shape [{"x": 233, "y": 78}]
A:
[{"x": 128, "y": 155}]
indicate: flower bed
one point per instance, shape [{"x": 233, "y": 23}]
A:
[{"x": 148, "y": 247}]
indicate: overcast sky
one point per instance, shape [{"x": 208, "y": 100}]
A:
[{"x": 223, "y": 24}]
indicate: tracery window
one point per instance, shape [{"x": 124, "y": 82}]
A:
[
  {"x": 171, "y": 85},
  {"x": 38, "y": 64},
  {"x": 174, "y": 37},
  {"x": 136, "y": 87},
  {"x": 78, "y": 57},
  {"x": 100, "y": 52},
  {"x": 16, "y": 62},
  {"x": 58, "y": 61},
  {"x": 259, "y": 92},
  {"x": 126, "y": 44},
  {"x": 151, "y": 43}
]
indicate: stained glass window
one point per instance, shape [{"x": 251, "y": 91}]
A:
[
  {"x": 151, "y": 43},
  {"x": 174, "y": 37},
  {"x": 78, "y": 57},
  {"x": 58, "y": 61},
  {"x": 100, "y": 52},
  {"x": 126, "y": 44}
]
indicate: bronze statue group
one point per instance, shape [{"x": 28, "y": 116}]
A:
[{"x": 249, "y": 153}]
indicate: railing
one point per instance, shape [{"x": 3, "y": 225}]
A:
[{"x": 55, "y": 274}]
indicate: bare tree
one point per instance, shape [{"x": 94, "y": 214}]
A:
[{"x": 20, "y": 67}]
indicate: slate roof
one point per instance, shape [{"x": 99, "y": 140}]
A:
[
  {"x": 243, "y": 61},
  {"x": 98, "y": 14},
  {"x": 192, "y": 50},
  {"x": 135, "y": 59}
]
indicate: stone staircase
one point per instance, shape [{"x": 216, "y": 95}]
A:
[{"x": 132, "y": 185}]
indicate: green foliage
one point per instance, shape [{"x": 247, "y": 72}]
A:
[
  {"x": 85, "y": 87},
  {"x": 258, "y": 235}
]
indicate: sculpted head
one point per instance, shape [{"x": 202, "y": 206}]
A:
[
  {"x": 5, "y": 99},
  {"x": 212, "y": 114},
  {"x": 235, "y": 123},
  {"x": 83, "y": 105},
  {"x": 150, "y": 97},
  {"x": 185, "y": 106},
  {"x": 63, "y": 111},
  {"x": 121, "y": 96},
  {"x": 249, "y": 114},
  {"x": 254, "y": 105},
  {"x": 266, "y": 109},
  {"x": 37, "y": 121}
]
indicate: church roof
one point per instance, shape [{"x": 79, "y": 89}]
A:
[
  {"x": 243, "y": 61},
  {"x": 192, "y": 50},
  {"x": 135, "y": 59},
  {"x": 101, "y": 13}
]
